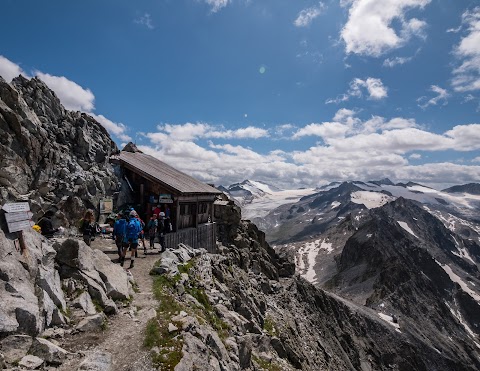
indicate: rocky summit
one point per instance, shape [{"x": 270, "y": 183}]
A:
[
  {"x": 55, "y": 158},
  {"x": 388, "y": 287}
]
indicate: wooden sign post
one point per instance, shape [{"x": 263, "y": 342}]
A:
[{"x": 18, "y": 217}]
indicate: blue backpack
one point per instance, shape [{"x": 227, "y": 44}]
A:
[{"x": 133, "y": 229}]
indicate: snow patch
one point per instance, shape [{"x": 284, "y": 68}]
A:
[
  {"x": 459, "y": 280},
  {"x": 407, "y": 228},
  {"x": 389, "y": 319},
  {"x": 335, "y": 204},
  {"x": 458, "y": 316},
  {"x": 370, "y": 199}
]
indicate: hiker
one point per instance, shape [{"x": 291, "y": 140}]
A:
[
  {"x": 88, "y": 227},
  {"x": 157, "y": 209},
  {"x": 152, "y": 229},
  {"x": 141, "y": 236},
  {"x": 161, "y": 231},
  {"x": 119, "y": 232},
  {"x": 45, "y": 223},
  {"x": 130, "y": 241}
]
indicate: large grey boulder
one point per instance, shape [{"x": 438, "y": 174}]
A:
[
  {"x": 115, "y": 279},
  {"x": 48, "y": 351},
  {"x": 20, "y": 311},
  {"x": 92, "y": 323},
  {"x": 15, "y": 347},
  {"x": 31, "y": 362}
]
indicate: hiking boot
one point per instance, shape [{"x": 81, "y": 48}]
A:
[
  {"x": 122, "y": 260},
  {"x": 131, "y": 265},
  {"x": 145, "y": 251}
]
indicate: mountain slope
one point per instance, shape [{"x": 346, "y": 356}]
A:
[
  {"x": 57, "y": 159},
  {"x": 314, "y": 214}
]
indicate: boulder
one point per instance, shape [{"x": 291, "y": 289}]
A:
[
  {"x": 74, "y": 254},
  {"x": 53, "y": 315},
  {"x": 30, "y": 362},
  {"x": 97, "y": 361},
  {"x": 84, "y": 302},
  {"x": 92, "y": 323},
  {"x": 15, "y": 347},
  {"x": 48, "y": 351},
  {"x": 115, "y": 278}
]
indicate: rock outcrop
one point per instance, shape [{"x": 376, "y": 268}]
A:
[
  {"x": 54, "y": 158},
  {"x": 237, "y": 311},
  {"x": 46, "y": 290}
]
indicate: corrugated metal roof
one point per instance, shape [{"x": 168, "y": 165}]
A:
[{"x": 164, "y": 173}]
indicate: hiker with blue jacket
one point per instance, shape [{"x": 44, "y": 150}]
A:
[
  {"x": 130, "y": 241},
  {"x": 119, "y": 229}
]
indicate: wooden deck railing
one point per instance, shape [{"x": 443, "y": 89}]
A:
[{"x": 202, "y": 237}]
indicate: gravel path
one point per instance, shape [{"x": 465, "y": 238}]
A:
[{"x": 124, "y": 336}]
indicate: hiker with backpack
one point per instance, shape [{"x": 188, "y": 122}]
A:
[
  {"x": 130, "y": 241},
  {"x": 88, "y": 227}
]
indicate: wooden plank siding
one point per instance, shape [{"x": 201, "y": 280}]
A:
[{"x": 202, "y": 237}]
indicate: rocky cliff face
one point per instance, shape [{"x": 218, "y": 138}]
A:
[
  {"x": 273, "y": 319},
  {"x": 56, "y": 159}
]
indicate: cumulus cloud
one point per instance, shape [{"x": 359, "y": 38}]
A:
[
  {"x": 374, "y": 87},
  {"x": 145, "y": 20},
  {"x": 191, "y": 131},
  {"x": 117, "y": 129},
  {"x": 442, "y": 96},
  {"x": 466, "y": 76},
  {"x": 476, "y": 159},
  {"x": 9, "y": 70},
  {"x": 72, "y": 95},
  {"x": 370, "y": 26},
  {"x": 350, "y": 148},
  {"x": 216, "y": 5},
  {"x": 306, "y": 16}
]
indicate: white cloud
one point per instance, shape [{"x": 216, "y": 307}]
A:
[
  {"x": 145, "y": 20},
  {"x": 9, "y": 70},
  {"x": 374, "y": 87},
  {"x": 72, "y": 95},
  {"x": 392, "y": 62},
  {"x": 351, "y": 149},
  {"x": 190, "y": 131},
  {"x": 370, "y": 26},
  {"x": 216, "y": 5},
  {"x": 324, "y": 130},
  {"x": 117, "y": 129},
  {"x": 442, "y": 96},
  {"x": 466, "y": 76},
  {"x": 306, "y": 16},
  {"x": 476, "y": 159}
]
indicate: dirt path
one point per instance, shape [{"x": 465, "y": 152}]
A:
[{"x": 124, "y": 335}]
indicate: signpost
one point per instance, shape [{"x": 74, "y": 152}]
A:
[{"x": 18, "y": 217}]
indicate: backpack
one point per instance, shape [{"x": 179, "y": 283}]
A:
[{"x": 133, "y": 229}]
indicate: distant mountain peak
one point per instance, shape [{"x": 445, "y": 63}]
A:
[
  {"x": 384, "y": 181},
  {"x": 471, "y": 188}
]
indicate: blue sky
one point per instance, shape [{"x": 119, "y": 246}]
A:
[{"x": 294, "y": 93}]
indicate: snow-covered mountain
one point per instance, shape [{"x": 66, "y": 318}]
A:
[
  {"x": 414, "y": 262},
  {"x": 257, "y": 199},
  {"x": 315, "y": 213}
]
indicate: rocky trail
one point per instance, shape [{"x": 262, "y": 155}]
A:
[{"x": 122, "y": 339}]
